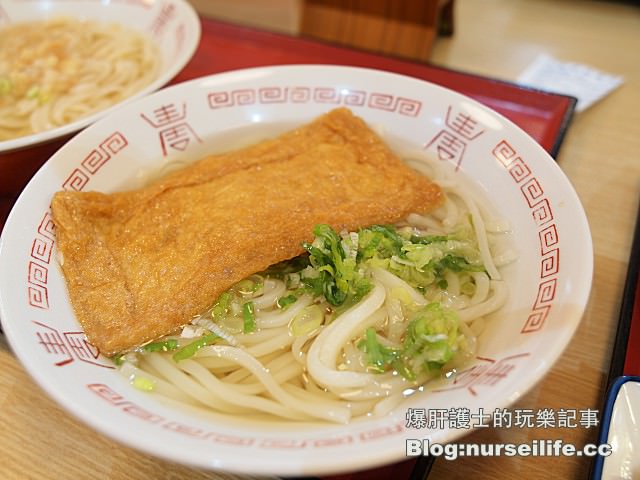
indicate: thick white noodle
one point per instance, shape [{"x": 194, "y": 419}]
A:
[
  {"x": 481, "y": 235},
  {"x": 251, "y": 402},
  {"x": 272, "y": 290},
  {"x": 259, "y": 336},
  {"x": 382, "y": 385},
  {"x": 280, "y": 317},
  {"x": 396, "y": 324},
  {"x": 453, "y": 283},
  {"x": 299, "y": 343},
  {"x": 390, "y": 281},
  {"x": 278, "y": 343},
  {"x": 315, "y": 410},
  {"x": 273, "y": 364},
  {"x": 383, "y": 407},
  {"x": 192, "y": 388},
  {"x": 281, "y": 376},
  {"x": 424, "y": 222},
  {"x": 491, "y": 304},
  {"x": 323, "y": 354},
  {"x": 482, "y": 287}
]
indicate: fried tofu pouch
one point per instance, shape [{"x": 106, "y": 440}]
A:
[{"x": 140, "y": 264}]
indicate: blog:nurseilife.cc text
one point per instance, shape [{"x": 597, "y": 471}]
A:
[{"x": 534, "y": 448}]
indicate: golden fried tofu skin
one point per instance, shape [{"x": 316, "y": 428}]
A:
[{"x": 140, "y": 264}]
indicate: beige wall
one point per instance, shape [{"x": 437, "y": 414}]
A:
[{"x": 278, "y": 15}]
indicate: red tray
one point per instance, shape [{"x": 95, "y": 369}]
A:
[{"x": 545, "y": 116}]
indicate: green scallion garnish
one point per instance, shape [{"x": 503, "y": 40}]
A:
[
  {"x": 284, "y": 302},
  {"x": 191, "y": 349},
  {"x": 162, "y": 346},
  {"x": 249, "y": 317}
]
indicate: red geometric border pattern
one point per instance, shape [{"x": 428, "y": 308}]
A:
[
  {"x": 42, "y": 244},
  {"x": 328, "y": 95},
  {"x": 129, "y": 407},
  {"x": 546, "y": 293},
  {"x": 504, "y": 153},
  {"x": 197, "y": 432},
  {"x": 535, "y": 320},
  {"x": 519, "y": 170},
  {"x": 531, "y": 190},
  {"x": 38, "y": 274},
  {"x": 550, "y": 263},
  {"x": 548, "y": 238},
  {"x": 38, "y": 266},
  {"x": 94, "y": 161},
  {"x": 299, "y": 94},
  {"x": 77, "y": 180},
  {"x": 542, "y": 214},
  {"x": 46, "y": 227}
]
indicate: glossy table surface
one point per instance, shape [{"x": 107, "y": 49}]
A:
[{"x": 599, "y": 154}]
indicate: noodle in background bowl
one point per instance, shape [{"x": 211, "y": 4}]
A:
[
  {"x": 172, "y": 25},
  {"x": 549, "y": 283}
]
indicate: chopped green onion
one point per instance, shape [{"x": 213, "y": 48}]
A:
[
  {"x": 143, "y": 383},
  {"x": 191, "y": 349},
  {"x": 378, "y": 356},
  {"x": 432, "y": 335},
  {"x": 43, "y": 98},
  {"x": 379, "y": 241},
  {"x": 164, "y": 346},
  {"x": 248, "y": 287},
  {"x": 401, "y": 294},
  {"x": 284, "y": 302},
  {"x": 33, "y": 92},
  {"x": 292, "y": 280},
  {"x": 222, "y": 305},
  {"x": 427, "y": 239},
  {"x": 5, "y": 85},
  {"x": 249, "y": 317},
  {"x": 468, "y": 288},
  {"x": 456, "y": 263},
  {"x": 118, "y": 359},
  {"x": 307, "y": 320},
  {"x": 337, "y": 276}
]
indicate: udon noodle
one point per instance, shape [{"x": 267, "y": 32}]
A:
[
  {"x": 57, "y": 71},
  {"x": 273, "y": 347}
]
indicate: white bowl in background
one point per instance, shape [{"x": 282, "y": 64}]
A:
[{"x": 173, "y": 25}]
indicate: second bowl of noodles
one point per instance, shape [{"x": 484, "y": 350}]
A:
[{"x": 65, "y": 64}]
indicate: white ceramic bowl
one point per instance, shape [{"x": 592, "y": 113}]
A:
[
  {"x": 550, "y": 281},
  {"x": 172, "y": 24}
]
